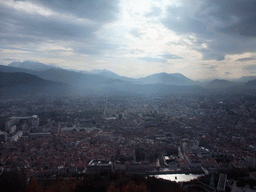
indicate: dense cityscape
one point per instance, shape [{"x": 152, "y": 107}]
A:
[{"x": 200, "y": 134}]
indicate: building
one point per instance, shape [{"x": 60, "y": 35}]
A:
[
  {"x": 193, "y": 160},
  {"x": 3, "y": 136},
  {"x": 183, "y": 164},
  {"x": 104, "y": 136},
  {"x": 209, "y": 163},
  {"x": 11, "y": 121},
  {"x": 12, "y": 129},
  {"x": 95, "y": 166},
  {"x": 119, "y": 166},
  {"x": 35, "y": 135},
  {"x": 250, "y": 162},
  {"x": 205, "y": 153},
  {"x": 222, "y": 182},
  {"x": 173, "y": 165},
  {"x": 137, "y": 166},
  {"x": 16, "y": 136},
  {"x": 240, "y": 164},
  {"x": 31, "y": 120},
  {"x": 34, "y": 120},
  {"x": 120, "y": 116},
  {"x": 187, "y": 145}
]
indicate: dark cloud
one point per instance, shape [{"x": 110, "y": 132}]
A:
[
  {"x": 246, "y": 59},
  {"x": 41, "y": 26},
  {"x": 25, "y": 29},
  {"x": 153, "y": 59},
  {"x": 227, "y": 73},
  {"x": 232, "y": 17},
  {"x": 250, "y": 68},
  {"x": 100, "y": 10},
  {"x": 240, "y": 16},
  {"x": 227, "y": 27},
  {"x": 212, "y": 54}
]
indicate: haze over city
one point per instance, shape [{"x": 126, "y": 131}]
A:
[
  {"x": 199, "y": 39},
  {"x": 125, "y": 95}
]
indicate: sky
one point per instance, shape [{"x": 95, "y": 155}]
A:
[{"x": 202, "y": 39}]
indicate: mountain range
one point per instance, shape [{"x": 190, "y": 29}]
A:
[
  {"x": 42, "y": 77},
  {"x": 31, "y": 65},
  {"x": 94, "y": 76},
  {"x": 17, "y": 83},
  {"x": 220, "y": 84}
]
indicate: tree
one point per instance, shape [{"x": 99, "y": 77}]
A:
[
  {"x": 112, "y": 188},
  {"x": 240, "y": 184},
  {"x": 132, "y": 187},
  {"x": 14, "y": 180},
  {"x": 139, "y": 154},
  {"x": 34, "y": 186}
]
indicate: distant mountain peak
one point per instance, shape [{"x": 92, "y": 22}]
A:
[
  {"x": 219, "y": 81},
  {"x": 32, "y": 65},
  {"x": 167, "y": 78},
  {"x": 246, "y": 78},
  {"x": 110, "y": 74},
  {"x": 100, "y": 71}
]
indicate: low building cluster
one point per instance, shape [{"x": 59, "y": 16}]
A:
[{"x": 132, "y": 134}]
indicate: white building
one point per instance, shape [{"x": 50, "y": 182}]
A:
[
  {"x": 16, "y": 136},
  {"x": 34, "y": 120},
  {"x": 12, "y": 129}
]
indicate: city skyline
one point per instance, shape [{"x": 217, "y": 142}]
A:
[{"x": 201, "y": 40}]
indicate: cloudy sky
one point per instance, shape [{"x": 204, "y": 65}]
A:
[{"x": 198, "y": 38}]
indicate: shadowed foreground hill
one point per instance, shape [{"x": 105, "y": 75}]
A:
[
  {"x": 16, "y": 180},
  {"x": 60, "y": 75},
  {"x": 120, "y": 182},
  {"x": 22, "y": 83}
]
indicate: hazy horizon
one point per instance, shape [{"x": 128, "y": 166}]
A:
[
  {"x": 201, "y": 40},
  {"x": 100, "y": 70}
]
